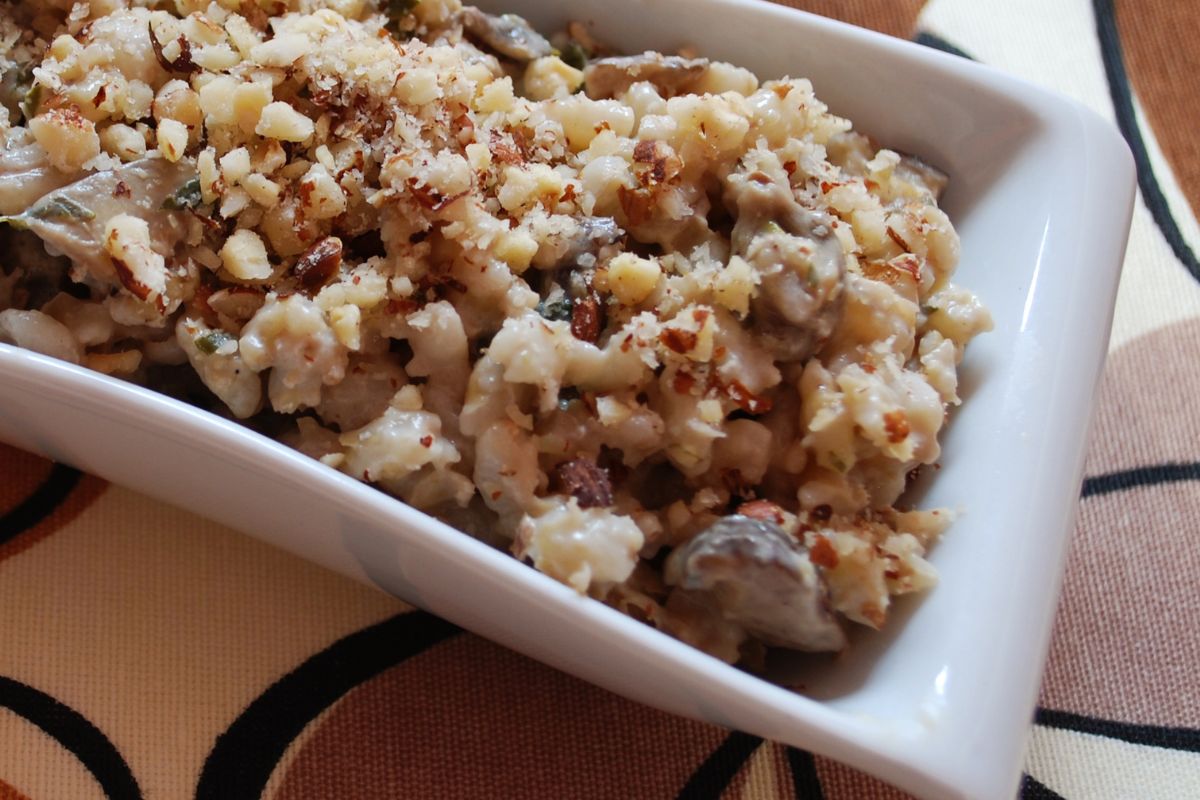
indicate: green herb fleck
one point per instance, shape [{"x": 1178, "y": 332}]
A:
[
  {"x": 397, "y": 11},
  {"x": 186, "y": 196},
  {"x": 556, "y": 310},
  {"x": 773, "y": 227},
  {"x": 57, "y": 207},
  {"x": 574, "y": 55},
  {"x": 31, "y": 102},
  {"x": 60, "y": 207},
  {"x": 212, "y": 341}
]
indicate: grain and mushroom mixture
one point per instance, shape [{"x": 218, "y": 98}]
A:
[{"x": 675, "y": 336}]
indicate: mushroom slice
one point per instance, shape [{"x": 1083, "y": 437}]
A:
[
  {"x": 800, "y": 264},
  {"x": 914, "y": 170},
  {"x": 25, "y": 173},
  {"x": 506, "y": 34},
  {"x": 579, "y": 245},
  {"x": 671, "y": 75},
  {"x": 71, "y": 220},
  {"x": 758, "y": 576}
]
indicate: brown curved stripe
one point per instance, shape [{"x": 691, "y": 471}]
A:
[
  {"x": 1126, "y": 643},
  {"x": 9, "y": 793},
  {"x": 1159, "y": 38},
  {"x": 1147, "y": 409},
  {"x": 20, "y": 475},
  {"x": 471, "y": 719},
  {"x": 895, "y": 17},
  {"x": 840, "y": 782}
]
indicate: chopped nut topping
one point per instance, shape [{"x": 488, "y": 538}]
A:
[
  {"x": 319, "y": 263},
  {"x": 586, "y": 481}
]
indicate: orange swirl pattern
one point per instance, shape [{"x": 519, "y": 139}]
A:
[
  {"x": 37, "y": 498},
  {"x": 136, "y": 640}
]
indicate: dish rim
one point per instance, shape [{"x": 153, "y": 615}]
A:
[{"x": 804, "y": 721}]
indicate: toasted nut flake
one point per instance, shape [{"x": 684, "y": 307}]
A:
[
  {"x": 70, "y": 140},
  {"x": 172, "y": 139},
  {"x": 319, "y": 263},
  {"x": 587, "y": 318},
  {"x": 183, "y": 63},
  {"x": 586, "y": 481},
  {"x": 140, "y": 270},
  {"x": 244, "y": 256},
  {"x": 235, "y": 165},
  {"x": 281, "y": 121},
  {"x": 262, "y": 190},
  {"x": 632, "y": 279}
]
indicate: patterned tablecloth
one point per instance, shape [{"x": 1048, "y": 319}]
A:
[{"x": 145, "y": 652}]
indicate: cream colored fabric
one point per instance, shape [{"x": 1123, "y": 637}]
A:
[{"x": 154, "y": 638}]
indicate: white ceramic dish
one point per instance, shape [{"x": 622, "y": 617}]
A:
[{"x": 940, "y": 703}]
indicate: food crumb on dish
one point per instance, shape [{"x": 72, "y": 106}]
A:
[{"x": 676, "y": 336}]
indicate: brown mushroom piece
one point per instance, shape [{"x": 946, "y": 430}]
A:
[
  {"x": 25, "y": 173},
  {"x": 671, "y": 75},
  {"x": 915, "y": 170},
  {"x": 571, "y": 249},
  {"x": 506, "y": 34},
  {"x": 761, "y": 578},
  {"x": 800, "y": 264},
  {"x": 70, "y": 220}
]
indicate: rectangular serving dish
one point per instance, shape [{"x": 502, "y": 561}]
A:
[{"x": 939, "y": 703}]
